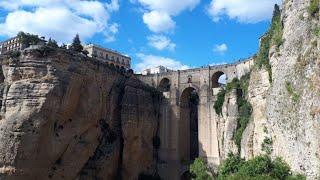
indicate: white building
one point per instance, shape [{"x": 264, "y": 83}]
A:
[
  {"x": 109, "y": 56},
  {"x": 155, "y": 70}
]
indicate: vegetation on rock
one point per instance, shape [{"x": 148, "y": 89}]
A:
[
  {"x": 316, "y": 31},
  {"x": 313, "y": 8},
  {"x": 294, "y": 95},
  {"x": 260, "y": 167},
  {"x": 28, "y": 39},
  {"x": 244, "y": 107},
  {"x": 76, "y": 44},
  {"x": 235, "y": 168},
  {"x": 266, "y": 145},
  {"x": 245, "y": 111},
  {"x": 272, "y": 37},
  {"x": 52, "y": 43},
  {"x": 199, "y": 170},
  {"x": 219, "y": 102}
]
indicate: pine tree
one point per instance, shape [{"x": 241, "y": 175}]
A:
[
  {"x": 63, "y": 46},
  {"x": 76, "y": 44},
  {"x": 52, "y": 43}
]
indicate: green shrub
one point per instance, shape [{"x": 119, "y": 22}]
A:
[
  {"x": 313, "y": 8},
  {"x": 316, "y": 31},
  {"x": 272, "y": 37},
  {"x": 230, "y": 166},
  {"x": 219, "y": 102},
  {"x": 28, "y": 39},
  {"x": 245, "y": 110},
  {"x": 199, "y": 170},
  {"x": 258, "y": 168},
  {"x": 281, "y": 170},
  {"x": 295, "y": 96},
  {"x": 266, "y": 145},
  {"x": 244, "y": 107},
  {"x": 14, "y": 54},
  {"x": 296, "y": 177}
]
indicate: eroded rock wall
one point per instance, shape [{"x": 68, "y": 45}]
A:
[
  {"x": 293, "y": 102},
  {"x": 227, "y": 124},
  {"x": 64, "y": 116},
  {"x": 285, "y": 119},
  {"x": 287, "y": 110}
]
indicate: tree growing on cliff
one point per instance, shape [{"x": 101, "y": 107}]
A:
[
  {"x": 28, "y": 39},
  {"x": 260, "y": 167},
  {"x": 52, "y": 43},
  {"x": 76, "y": 44},
  {"x": 199, "y": 170}
]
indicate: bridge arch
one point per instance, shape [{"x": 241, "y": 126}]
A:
[
  {"x": 188, "y": 125},
  {"x": 164, "y": 85},
  {"x": 218, "y": 79}
]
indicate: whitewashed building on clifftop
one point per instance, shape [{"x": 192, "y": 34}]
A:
[
  {"x": 156, "y": 70},
  {"x": 109, "y": 56},
  {"x": 12, "y": 44}
]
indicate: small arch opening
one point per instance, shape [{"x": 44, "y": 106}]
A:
[
  {"x": 219, "y": 79},
  {"x": 164, "y": 85}
]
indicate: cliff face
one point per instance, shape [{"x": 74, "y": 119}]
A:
[
  {"x": 286, "y": 112},
  {"x": 285, "y": 119},
  {"x": 293, "y": 103},
  {"x": 64, "y": 116}
]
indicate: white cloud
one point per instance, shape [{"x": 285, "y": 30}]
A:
[
  {"x": 218, "y": 64},
  {"x": 59, "y": 19},
  {"x": 111, "y": 32},
  {"x": 113, "y": 5},
  {"x": 149, "y": 61},
  {"x": 161, "y": 42},
  {"x": 158, "y": 13},
  {"x": 172, "y": 7},
  {"x": 222, "y": 48},
  {"x": 158, "y": 22},
  {"x": 222, "y": 79},
  {"x": 244, "y": 11}
]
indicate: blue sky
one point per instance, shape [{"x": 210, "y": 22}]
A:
[{"x": 177, "y": 34}]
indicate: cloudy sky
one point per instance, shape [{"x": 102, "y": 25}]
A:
[{"x": 178, "y": 34}]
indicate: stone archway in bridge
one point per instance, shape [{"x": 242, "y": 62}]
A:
[
  {"x": 218, "y": 79},
  {"x": 164, "y": 85},
  {"x": 188, "y": 125}
]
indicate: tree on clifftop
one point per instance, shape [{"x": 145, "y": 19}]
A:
[
  {"x": 76, "y": 44},
  {"x": 28, "y": 39},
  {"x": 52, "y": 43}
]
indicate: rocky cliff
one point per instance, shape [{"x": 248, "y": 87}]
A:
[
  {"x": 65, "y": 116},
  {"x": 284, "y": 91},
  {"x": 293, "y": 101}
]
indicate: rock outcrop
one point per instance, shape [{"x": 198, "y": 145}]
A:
[
  {"x": 285, "y": 100},
  {"x": 286, "y": 111},
  {"x": 65, "y": 116},
  {"x": 227, "y": 125},
  {"x": 293, "y": 102}
]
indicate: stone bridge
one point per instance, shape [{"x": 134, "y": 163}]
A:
[{"x": 187, "y": 132}]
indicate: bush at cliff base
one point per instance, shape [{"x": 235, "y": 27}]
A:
[
  {"x": 235, "y": 168},
  {"x": 260, "y": 168}
]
